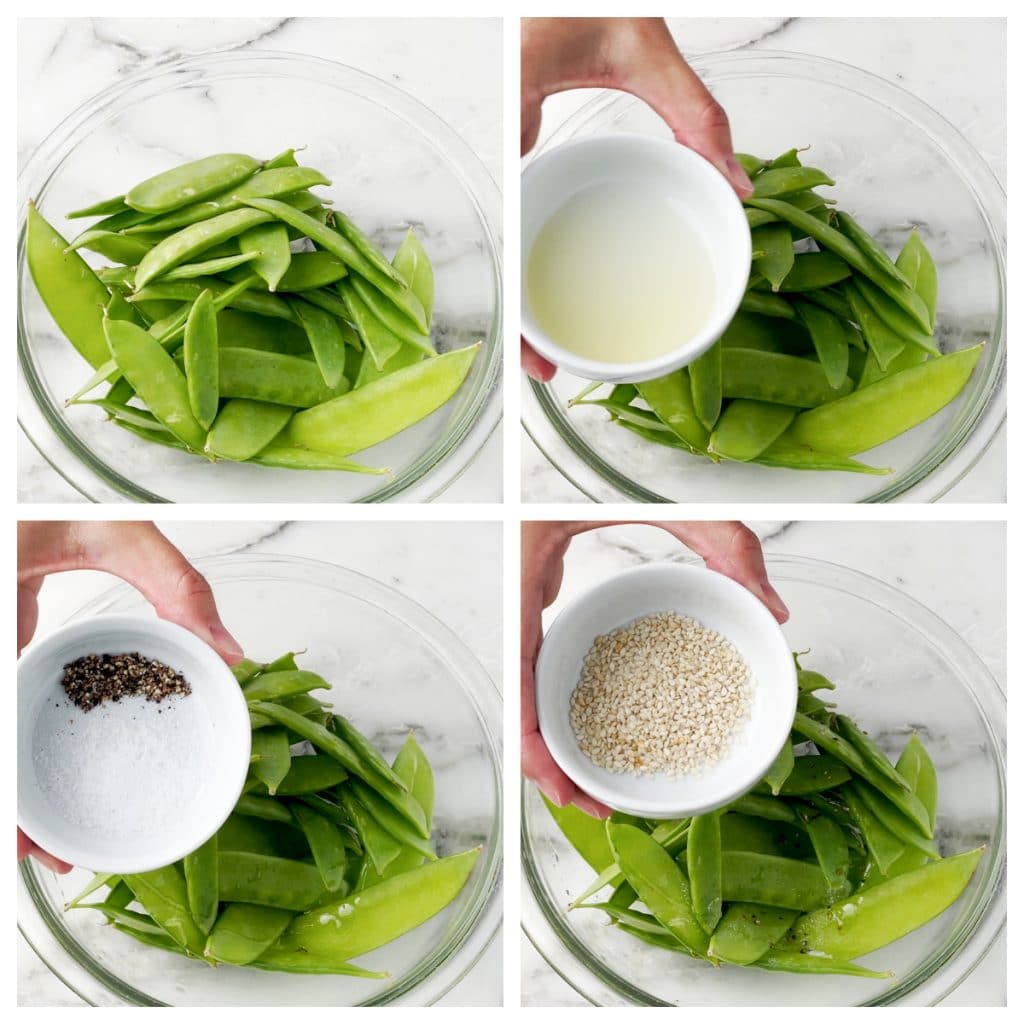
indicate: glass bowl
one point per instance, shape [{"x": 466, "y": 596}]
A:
[
  {"x": 394, "y": 668},
  {"x": 898, "y": 668},
  {"x": 393, "y": 164},
  {"x": 897, "y": 165}
]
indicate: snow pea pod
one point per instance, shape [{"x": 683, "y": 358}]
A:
[
  {"x": 890, "y": 818},
  {"x": 776, "y": 243},
  {"x": 830, "y": 341},
  {"x": 70, "y": 290},
  {"x": 869, "y": 750},
  {"x": 885, "y": 847},
  {"x": 871, "y": 371},
  {"x": 837, "y": 242},
  {"x": 659, "y": 883},
  {"x": 380, "y": 848},
  {"x": 102, "y": 208},
  {"x": 288, "y": 456},
  {"x": 156, "y": 379},
  {"x": 200, "y": 867},
  {"x": 586, "y": 834},
  {"x": 113, "y": 246},
  {"x": 372, "y": 302},
  {"x": 325, "y": 339},
  {"x": 326, "y": 844},
  {"x": 339, "y": 930},
  {"x": 283, "y": 683},
  {"x": 814, "y": 270},
  {"x": 98, "y": 880},
  {"x": 917, "y": 266},
  {"x": 264, "y": 807},
  {"x": 870, "y": 248},
  {"x": 311, "y": 774},
  {"x": 786, "y": 455},
  {"x": 269, "y": 881},
  {"x": 781, "y": 768},
  {"x": 832, "y": 851},
  {"x": 800, "y": 963},
  {"x": 190, "y": 182},
  {"x": 814, "y": 774},
  {"x": 874, "y": 917},
  {"x": 126, "y": 414},
  {"x": 366, "y": 750},
  {"x": 747, "y": 427},
  {"x": 413, "y": 768},
  {"x": 274, "y": 254},
  {"x": 622, "y": 411},
  {"x": 366, "y": 248},
  {"x": 337, "y": 748},
  {"x": 164, "y": 895},
  {"x": 380, "y": 410},
  {"x": 244, "y": 427},
  {"x": 413, "y": 264},
  {"x": 244, "y": 931},
  {"x": 776, "y": 881},
  {"x": 211, "y": 267},
  {"x": 883, "y": 342},
  {"x": 379, "y": 341},
  {"x": 705, "y": 374},
  {"x": 274, "y": 377},
  {"x": 889, "y": 407},
  {"x": 704, "y": 869},
  {"x": 894, "y": 318},
  {"x": 783, "y": 180},
  {"x": 751, "y": 164},
  {"x": 916, "y": 767},
  {"x": 763, "y": 807},
  {"x": 310, "y": 270},
  {"x": 201, "y": 360},
  {"x": 767, "y": 304},
  {"x": 757, "y": 835},
  {"x": 395, "y": 824},
  {"x": 748, "y": 930},
  {"x": 834, "y": 300},
  {"x": 781, "y": 379},
  {"x": 271, "y": 757},
  {"x": 671, "y": 399}
]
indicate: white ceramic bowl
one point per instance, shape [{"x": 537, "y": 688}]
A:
[
  {"x": 718, "y": 603},
  {"x": 173, "y": 779},
  {"x": 686, "y": 181}
]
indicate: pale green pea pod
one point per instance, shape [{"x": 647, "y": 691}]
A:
[
  {"x": 748, "y": 427},
  {"x": 748, "y": 930},
  {"x": 201, "y": 360},
  {"x": 243, "y": 931},
  {"x": 190, "y": 182},
  {"x": 413, "y": 264},
  {"x": 244, "y": 427}
]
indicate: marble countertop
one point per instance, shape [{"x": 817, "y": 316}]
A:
[
  {"x": 956, "y": 65},
  {"x": 452, "y": 569},
  {"x": 900, "y": 554},
  {"x": 467, "y": 93}
]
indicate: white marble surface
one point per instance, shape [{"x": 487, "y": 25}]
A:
[
  {"x": 935, "y": 59},
  {"x": 466, "y": 92},
  {"x": 903, "y": 555},
  {"x": 453, "y": 570}
]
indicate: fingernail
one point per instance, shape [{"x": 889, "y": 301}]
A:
[
  {"x": 224, "y": 640},
  {"x": 738, "y": 176}
]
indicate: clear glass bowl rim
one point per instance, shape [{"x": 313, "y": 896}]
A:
[
  {"x": 480, "y": 921},
  {"x": 940, "y": 469},
  {"x": 44, "y": 426},
  {"x": 989, "y": 916}
]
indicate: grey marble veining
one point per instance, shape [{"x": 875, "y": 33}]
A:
[
  {"x": 451, "y": 569},
  {"x": 957, "y": 570}
]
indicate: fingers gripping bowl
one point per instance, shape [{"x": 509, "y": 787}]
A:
[
  {"x": 383, "y": 653},
  {"x": 399, "y": 166}
]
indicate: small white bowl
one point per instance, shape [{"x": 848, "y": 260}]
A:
[
  {"x": 718, "y": 603},
  {"x": 130, "y": 785},
  {"x": 692, "y": 185}
]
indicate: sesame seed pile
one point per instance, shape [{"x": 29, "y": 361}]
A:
[
  {"x": 661, "y": 695},
  {"x": 90, "y": 680}
]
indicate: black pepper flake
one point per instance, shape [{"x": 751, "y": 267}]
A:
[{"x": 95, "y": 678}]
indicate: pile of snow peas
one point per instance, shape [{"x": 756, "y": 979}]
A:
[
  {"x": 326, "y": 856},
  {"x": 246, "y": 319},
  {"x": 831, "y": 353},
  {"x": 830, "y": 857}
]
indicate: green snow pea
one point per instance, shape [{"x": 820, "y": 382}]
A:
[
  {"x": 127, "y": 249},
  {"x": 326, "y": 339},
  {"x": 274, "y": 377},
  {"x": 310, "y": 270},
  {"x": 413, "y": 768},
  {"x": 777, "y": 378},
  {"x": 751, "y": 164},
  {"x": 814, "y": 774},
  {"x": 814, "y": 270},
  {"x": 380, "y": 410},
  {"x": 748, "y": 930},
  {"x": 326, "y": 844},
  {"x": 704, "y": 869},
  {"x": 188, "y": 271},
  {"x": 395, "y": 824},
  {"x": 786, "y": 455},
  {"x": 747, "y": 427},
  {"x": 768, "y": 807},
  {"x": 776, "y": 242},
  {"x": 366, "y": 750},
  {"x": 275, "y": 685},
  {"x": 671, "y": 398},
  {"x": 830, "y": 341},
  {"x": 380, "y": 342},
  {"x": 885, "y": 847},
  {"x": 244, "y": 427},
  {"x": 256, "y": 835},
  {"x": 102, "y": 208},
  {"x": 373, "y": 303},
  {"x": 156, "y": 379},
  {"x": 891, "y": 818},
  {"x": 586, "y": 834},
  {"x": 366, "y": 248},
  {"x": 885, "y": 310},
  {"x": 767, "y": 304},
  {"x": 289, "y": 456},
  {"x": 271, "y": 757},
  {"x": 915, "y": 765},
  {"x": 274, "y": 254},
  {"x": 832, "y": 851},
  {"x": 190, "y": 182},
  {"x": 200, "y": 867},
  {"x": 339, "y": 930},
  {"x": 240, "y": 329},
  {"x": 99, "y": 878},
  {"x": 917, "y": 266},
  {"x": 659, "y": 883},
  {"x": 311, "y": 774},
  {"x": 244, "y": 931},
  {"x": 871, "y": 371},
  {"x": 757, "y": 835},
  {"x": 800, "y": 963},
  {"x": 643, "y": 418},
  {"x": 834, "y": 300},
  {"x": 889, "y": 407},
  {"x": 202, "y": 361},
  {"x": 705, "y": 374},
  {"x": 69, "y": 288},
  {"x": 870, "y": 248},
  {"x": 874, "y": 917},
  {"x": 164, "y": 895},
  {"x": 264, "y": 807},
  {"x": 380, "y": 847},
  {"x": 269, "y": 881},
  {"x": 126, "y": 414},
  {"x": 883, "y": 342},
  {"x": 781, "y": 768},
  {"x": 828, "y": 237},
  {"x": 784, "y": 180},
  {"x": 413, "y": 265},
  {"x": 776, "y": 881},
  {"x": 869, "y": 750}
]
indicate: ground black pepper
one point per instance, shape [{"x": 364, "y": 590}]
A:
[{"x": 90, "y": 680}]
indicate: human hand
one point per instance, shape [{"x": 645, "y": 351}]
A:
[
  {"x": 726, "y": 547},
  {"x": 634, "y": 55},
  {"x": 138, "y": 553}
]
